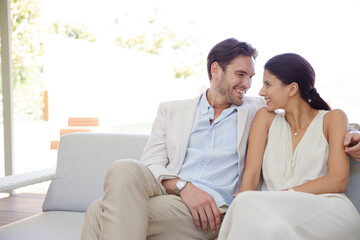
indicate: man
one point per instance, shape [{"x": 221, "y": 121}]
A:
[
  {"x": 352, "y": 144},
  {"x": 192, "y": 164}
]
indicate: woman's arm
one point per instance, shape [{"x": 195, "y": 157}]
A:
[
  {"x": 335, "y": 181},
  {"x": 257, "y": 143}
]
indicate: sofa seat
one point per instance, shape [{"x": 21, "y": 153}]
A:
[{"x": 54, "y": 225}]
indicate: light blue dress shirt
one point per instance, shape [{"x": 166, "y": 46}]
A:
[{"x": 211, "y": 160}]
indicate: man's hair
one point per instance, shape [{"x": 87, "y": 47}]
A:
[{"x": 224, "y": 52}]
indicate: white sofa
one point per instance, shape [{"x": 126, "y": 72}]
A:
[{"x": 83, "y": 159}]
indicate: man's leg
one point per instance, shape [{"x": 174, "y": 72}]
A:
[
  {"x": 171, "y": 219},
  {"x": 125, "y": 206},
  {"x": 91, "y": 227}
]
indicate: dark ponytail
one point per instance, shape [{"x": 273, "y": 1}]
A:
[
  {"x": 315, "y": 101},
  {"x": 291, "y": 67}
]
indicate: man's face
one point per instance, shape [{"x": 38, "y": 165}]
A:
[{"x": 236, "y": 79}]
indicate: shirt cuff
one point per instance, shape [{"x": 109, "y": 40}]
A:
[{"x": 165, "y": 177}]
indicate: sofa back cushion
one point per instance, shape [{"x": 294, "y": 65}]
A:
[
  {"x": 83, "y": 159},
  {"x": 82, "y": 162},
  {"x": 353, "y": 189}
]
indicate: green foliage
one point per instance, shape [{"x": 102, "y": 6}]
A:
[
  {"x": 159, "y": 39},
  {"x": 183, "y": 73},
  {"x": 76, "y": 32},
  {"x": 27, "y": 50}
]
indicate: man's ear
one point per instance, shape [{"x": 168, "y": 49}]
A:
[
  {"x": 293, "y": 88},
  {"x": 215, "y": 70}
]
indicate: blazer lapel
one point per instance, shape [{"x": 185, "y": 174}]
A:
[
  {"x": 187, "y": 115},
  {"x": 243, "y": 112}
]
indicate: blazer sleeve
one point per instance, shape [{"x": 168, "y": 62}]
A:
[{"x": 155, "y": 154}]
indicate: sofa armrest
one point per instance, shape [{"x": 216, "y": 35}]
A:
[
  {"x": 353, "y": 188},
  {"x": 82, "y": 163},
  {"x": 12, "y": 182}
]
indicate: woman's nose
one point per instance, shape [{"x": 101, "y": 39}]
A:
[{"x": 262, "y": 92}]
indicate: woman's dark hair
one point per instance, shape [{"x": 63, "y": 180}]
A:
[
  {"x": 224, "y": 52},
  {"x": 291, "y": 67}
]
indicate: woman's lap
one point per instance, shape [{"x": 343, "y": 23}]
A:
[{"x": 290, "y": 215}]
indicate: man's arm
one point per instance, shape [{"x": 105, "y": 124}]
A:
[
  {"x": 352, "y": 144},
  {"x": 155, "y": 156},
  {"x": 201, "y": 204}
]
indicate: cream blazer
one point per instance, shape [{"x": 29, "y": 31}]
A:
[{"x": 165, "y": 150}]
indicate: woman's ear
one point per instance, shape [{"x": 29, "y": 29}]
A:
[{"x": 293, "y": 88}]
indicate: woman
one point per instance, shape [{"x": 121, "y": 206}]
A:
[{"x": 301, "y": 155}]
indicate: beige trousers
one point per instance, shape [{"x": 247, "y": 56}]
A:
[{"x": 134, "y": 207}]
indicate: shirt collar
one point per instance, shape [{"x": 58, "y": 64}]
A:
[{"x": 204, "y": 104}]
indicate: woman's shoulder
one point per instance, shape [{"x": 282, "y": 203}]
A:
[
  {"x": 265, "y": 115},
  {"x": 335, "y": 115}
]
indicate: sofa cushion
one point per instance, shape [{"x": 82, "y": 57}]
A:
[
  {"x": 353, "y": 189},
  {"x": 83, "y": 159},
  {"x": 44, "y": 226},
  {"x": 82, "y": 162}
]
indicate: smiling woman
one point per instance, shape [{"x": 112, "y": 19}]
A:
[{"x": 299, "y": 152}]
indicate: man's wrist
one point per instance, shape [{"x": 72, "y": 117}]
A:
[
  {"x": 169, "y": 185},
  {"x": 180, "y": 185}
]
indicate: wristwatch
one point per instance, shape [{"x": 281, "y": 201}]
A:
[{"x": 180, "y": 185}]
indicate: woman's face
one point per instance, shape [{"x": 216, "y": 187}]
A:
[{"x": 274, "y": 91}]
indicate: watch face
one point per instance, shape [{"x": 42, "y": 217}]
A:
[{"x": 180, "y": 184}]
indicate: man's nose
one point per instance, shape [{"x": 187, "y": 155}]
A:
[{"x": 247, "y": 82}]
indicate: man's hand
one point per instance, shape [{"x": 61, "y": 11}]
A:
[
  {"x": 202, "y": 207},
  {"x": 352, "y": 144}
]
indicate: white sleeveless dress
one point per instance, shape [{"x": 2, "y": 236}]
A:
[{"x": 276, "y": 214}]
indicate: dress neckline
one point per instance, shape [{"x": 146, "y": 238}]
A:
[{"x": 293, "y": 151}]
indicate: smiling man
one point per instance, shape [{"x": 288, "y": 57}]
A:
[{"x": 192, "y": 164}]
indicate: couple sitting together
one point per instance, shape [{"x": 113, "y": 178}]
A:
[{"x": 206, "y": 157}]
